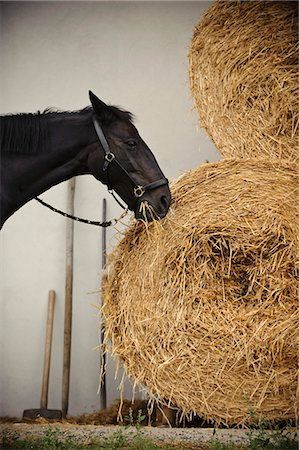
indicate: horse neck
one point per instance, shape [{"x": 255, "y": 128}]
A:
[{"x": 70, "y": 138}]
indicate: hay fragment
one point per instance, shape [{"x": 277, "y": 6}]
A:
[
  {"x": 243, "y": 66},
  {"x": 202, "y": 306}
]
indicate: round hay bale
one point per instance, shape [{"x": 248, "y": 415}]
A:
[
  {"x": 243, "y": 66},
  {"x": 202, "y": 307}
]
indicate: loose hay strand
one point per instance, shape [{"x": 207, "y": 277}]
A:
[{"x": 201, "y": 307}]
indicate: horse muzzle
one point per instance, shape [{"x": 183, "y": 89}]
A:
[{"x": 153, "y": 205}]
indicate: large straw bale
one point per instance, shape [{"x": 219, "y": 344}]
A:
[
  {"x": 243, "y": 66},
  {"x": 202, "y": 306}
]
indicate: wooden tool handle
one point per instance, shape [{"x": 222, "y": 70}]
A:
[
  {"x": 48, "y": 346},
  {"x": 103, "y": 386},
  {"x": 68, "y": 308}
]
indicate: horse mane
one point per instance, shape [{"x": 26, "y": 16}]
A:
[
  {"x": 28, "y": 133},
  {"x": 23, "y": 133},
  {"x": 113, "y": 112}
]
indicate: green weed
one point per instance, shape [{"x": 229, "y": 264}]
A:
[{"x": 217, "y": 445}]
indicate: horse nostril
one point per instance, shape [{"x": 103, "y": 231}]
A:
[{"x": 164, "y": 202}]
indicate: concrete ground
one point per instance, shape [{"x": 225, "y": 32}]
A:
[{"x": 85, "y": 434}]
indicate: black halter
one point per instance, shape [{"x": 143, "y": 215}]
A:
[{"x": 139, "y": 190}]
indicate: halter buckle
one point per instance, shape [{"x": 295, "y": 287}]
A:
[
  {"x": 139, "y": 191},
  {"x": 109, "y": 156}
]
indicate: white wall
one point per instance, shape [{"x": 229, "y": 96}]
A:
[{"x": 132, "y": 54}]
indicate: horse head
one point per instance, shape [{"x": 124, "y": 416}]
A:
[{"x": 122, "y": 160}]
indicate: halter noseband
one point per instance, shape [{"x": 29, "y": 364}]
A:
[{"x": 139, "y": 190}]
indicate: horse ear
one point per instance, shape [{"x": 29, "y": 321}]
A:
[{"x": 99, "y": 107}]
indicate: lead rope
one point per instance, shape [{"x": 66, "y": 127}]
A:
[{"x": 79, "y": 219}]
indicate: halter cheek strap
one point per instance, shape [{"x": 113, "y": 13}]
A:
[
  {"x": 109, "y": 156},
  {"x": 139, "y": 190}
]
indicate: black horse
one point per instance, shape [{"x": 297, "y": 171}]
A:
[{"x": 41, "y": 150}]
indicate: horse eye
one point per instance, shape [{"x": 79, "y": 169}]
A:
[{"x": 131, "y": 143}]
